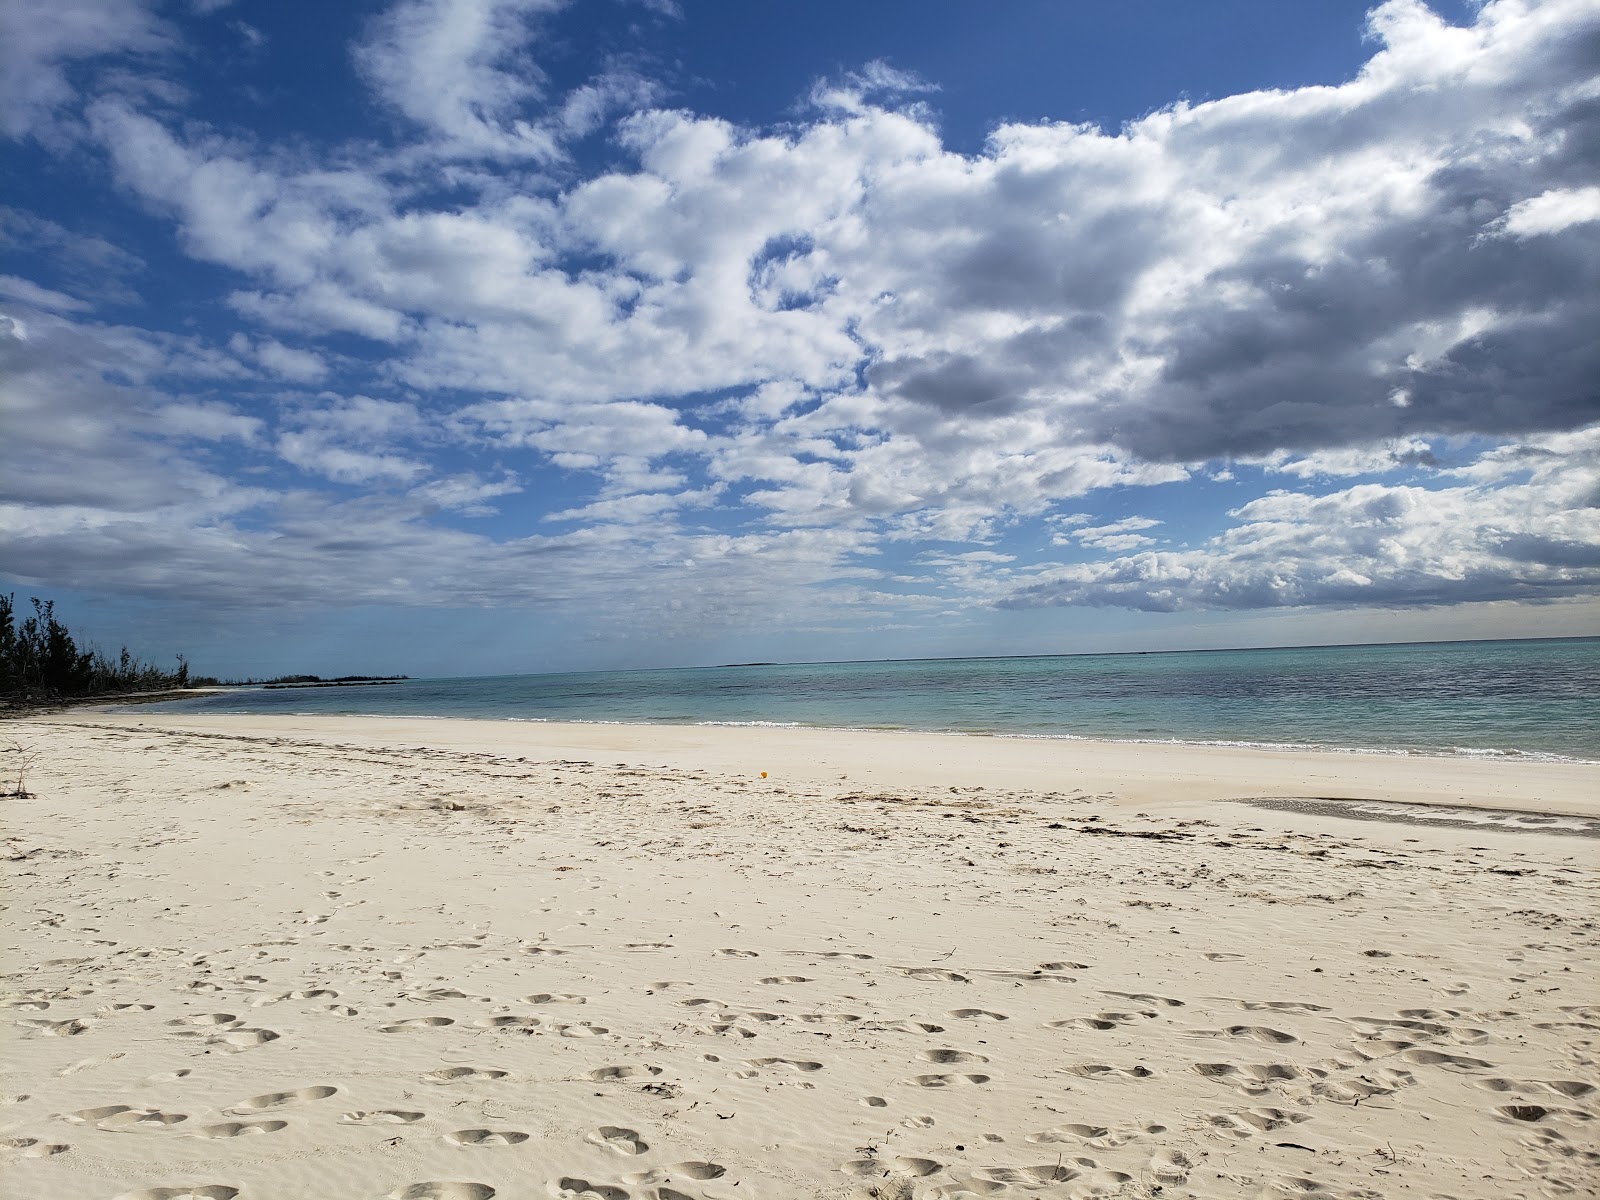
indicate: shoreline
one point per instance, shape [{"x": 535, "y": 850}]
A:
[
  {"x": 1450, "y": 753},
  {"x": 1138, "y": 772}
]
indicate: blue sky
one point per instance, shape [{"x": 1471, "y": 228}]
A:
[{"x": 497, "y": 335}]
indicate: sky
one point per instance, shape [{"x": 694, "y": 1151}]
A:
[{"x": 489, "y": 336}]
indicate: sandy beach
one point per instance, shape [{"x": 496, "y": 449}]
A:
[{"x": 353, "y": 958}]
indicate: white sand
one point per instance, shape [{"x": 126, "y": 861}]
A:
[{"x": 357, "y": 958}]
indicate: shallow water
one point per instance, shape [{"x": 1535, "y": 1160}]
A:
[{"x": 1530, "y": 698}]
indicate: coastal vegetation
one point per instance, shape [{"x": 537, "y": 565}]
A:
[{"x": 40, "y": 661}]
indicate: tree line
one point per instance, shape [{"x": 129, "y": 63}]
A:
[{"x": 39, "y": 659}]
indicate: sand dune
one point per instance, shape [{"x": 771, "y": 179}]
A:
[{"x": 350, "y": 959}]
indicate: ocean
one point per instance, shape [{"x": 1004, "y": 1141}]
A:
[{"x": 1536, "y": 698}]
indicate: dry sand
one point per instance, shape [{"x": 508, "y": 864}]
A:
[{"x": 351, "y": 959}]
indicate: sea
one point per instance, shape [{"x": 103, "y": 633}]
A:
[{"x": 1535, "y": 699}]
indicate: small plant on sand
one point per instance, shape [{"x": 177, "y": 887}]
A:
[{"x": 19, "y": 759}]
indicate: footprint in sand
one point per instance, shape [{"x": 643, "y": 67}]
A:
[
  {"x": 463, "y": 1075},
  {"x": 486, "y": 1137},
  {"x": 69, "y": 1028},
  {"x": 243, "y": 1039},
  {"x": 233, "y": 1129},
  {"x": 1033, "y": 1177},
  {"x": 198, "y": 1191},
  {"x": 976, "y": 1014},
  {"x": 560, "y": 997},
  {"x": 1252, "y": 1121},
  {"x": 625, "y": 1071},
  {"x": 1292, "y": 1006},
  {"x": 570, "y": 1187},
  {"x": 1102, "y": 1070},
  {"x": 443, "y": 1191},
  {"x": 516, "y": 1024},
  {"x": 1021, "y": 977},
  {"x": 1069, "y": 1133},
  {"x": 280, "y": 1100},
  {"x": 792, "y": 1064},
  {"x": 1569, "y": 1087},
  {"x": 903, "y": 1164},
  {"x": 1100, "y": 1021},
  {"x": 205, "y": 1019},
  {"x": 1146, "y": 998},
  {"x": 827, "y": 954},
  {"x": 1254, "y": 1033},
  {"x": 944, "y": 1057},
  {"x": 786, "y": 979},
  {"x": 902, "y": 1027},
  {"x": 932, "y": 974},
  {"x": 1171, "y": 1165},
  {"x": 581, "y": 1029},
  {"x": 1451, "y": 1062},
  {"x": 944, "y": 1081},
  {"x": 1530, "y": 1113},
  {"x": 415, "y": 1024},
  {"x": 380, "y": 1116},
  {"x": 618, "y": 1139},
  {"x": 699, "y": 1172},
  {"x": 33, "y": 1148},
  {"x": 1252, "y": 1078},
  {"x": 120, "y": 1118}
]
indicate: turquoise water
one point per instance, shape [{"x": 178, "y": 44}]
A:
[{"x": 1534, "y": 698}]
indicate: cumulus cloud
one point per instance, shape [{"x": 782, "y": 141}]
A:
[
  {"x": 1553, "y": 211},
  {"x": 461, "y": 69},
  {"x": 1114, "y": 537},
  {"x": 466, "y": 494},
  {"x": 355, "y": 439},
  {"x": 748, "y": 359},
  {"x": 875, "y": 83},
  {"x": 1373, "y": 544}
]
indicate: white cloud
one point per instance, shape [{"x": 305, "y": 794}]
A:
[
  {"x": 353, "y": 440},
  {"x": 1553, "y": 211},
  {"x": 1538, "y": 539},
  {"x": 466, "y": 72},
  {"x": 838, "y": 337},
  {"x": 1114, "y": 537},
  {"x": 1375, "y": 458},
  {"x": 30, "y": 293},
  {"x": 210, "y": 422},
  {"x": 875, "y": 83},
  {"x": 466, "y": 494},
  {"x": 41, "y": 39}
]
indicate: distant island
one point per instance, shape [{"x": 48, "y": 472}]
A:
[{"x": 316, "y": 681}]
